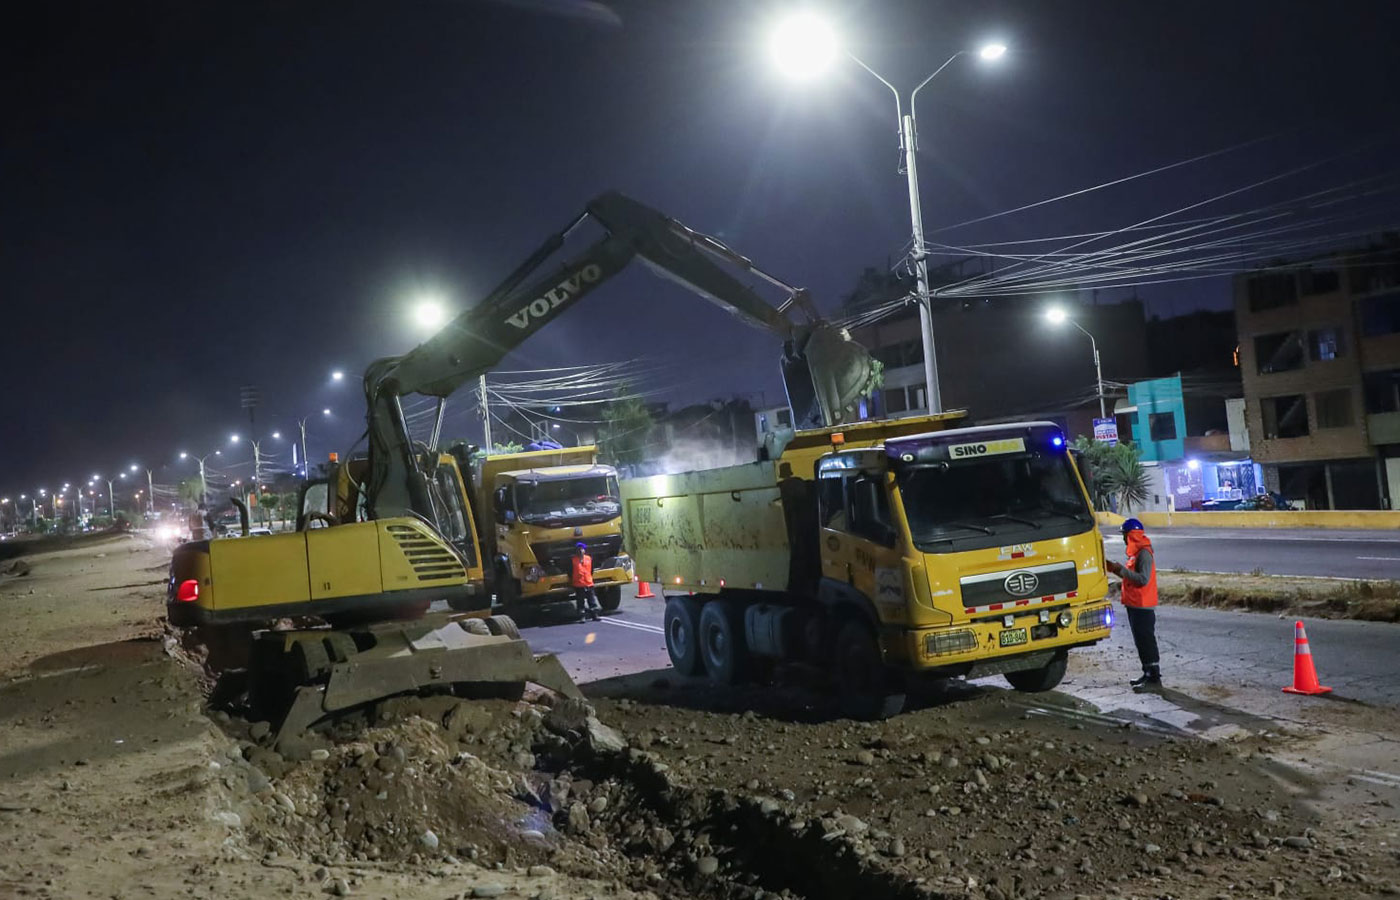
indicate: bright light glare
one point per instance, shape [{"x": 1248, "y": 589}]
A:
[
  {"x": 276, "y": 435},
  {"x": 233, "y": 439},
  {"x": 337, "y": 375},
  {"x": 803, "y": 46},
  {"x": 992, "y": 51},
  {"x": 184, "y": 455},
  {"x": 1056, "y": 315},
  {"x": 429, "y": 314},
  {"x": 133, "y": 467},
  {"x": 1193, "y": 464},
  {"x": 326, "y": 412}
]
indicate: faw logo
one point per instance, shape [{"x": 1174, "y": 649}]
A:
[
  {"x": 570, "y": 287},
  {"x": 1019, "y": 584}
]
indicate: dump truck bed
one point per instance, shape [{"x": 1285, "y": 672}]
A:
[{"x": 711, "y": 529}]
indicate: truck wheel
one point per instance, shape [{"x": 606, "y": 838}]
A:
[
  {"x": 682, "y": 625},
  {"x": 722, "y": 643},
  {"x": 1045, "y": 678},
  {"x": 610, "y": 598},
  {"x": 868, "y": 689},
  {"x": 503, "y": 626}
]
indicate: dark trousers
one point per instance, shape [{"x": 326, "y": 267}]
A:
[
  {"x": 1143, "y": 623},
  {"x": 586, "y": 598}
]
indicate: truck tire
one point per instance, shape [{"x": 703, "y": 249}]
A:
[
  {"x": 1045, "y": 678},
  {"x": 682, "y": 626},
  {"x": 722, "y": 643},
  {"x": 868, "y": 689},
  {"x": 610, "y": 598},
  {"x": 503, "y": 626}
]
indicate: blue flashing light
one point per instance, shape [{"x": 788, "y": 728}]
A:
[
  {"x": 1057, "y": 441},
  {"x": 1108, "y": 617}
]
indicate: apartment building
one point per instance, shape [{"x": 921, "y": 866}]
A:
[{"x": 1319, "y": 347}]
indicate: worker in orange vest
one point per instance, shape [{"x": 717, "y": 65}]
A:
[
  {"x": 581, "y": 578},
  {"x": 1140, "y": 598}
]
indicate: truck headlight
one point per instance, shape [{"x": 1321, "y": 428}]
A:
[{"x": 533, "y": 574}]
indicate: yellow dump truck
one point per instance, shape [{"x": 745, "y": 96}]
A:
[
  {"x": 535, "y": 508},
  {"x": 879, "y": 552}
]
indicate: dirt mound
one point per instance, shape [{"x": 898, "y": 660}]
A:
[{"x": 1371, "y": 601}]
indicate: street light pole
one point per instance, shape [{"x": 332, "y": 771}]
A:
[
  {"x": 485, "y": 416},
  {"x": 150, "y": 493},
  {"x": 305, "y": 463},
  {"x": 1056, "y": 316}
]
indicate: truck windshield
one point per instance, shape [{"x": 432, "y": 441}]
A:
[
  {"x": 568, "y": 501},
  {"x": 992, "y": 501}
]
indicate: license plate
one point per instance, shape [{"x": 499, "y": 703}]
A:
[{"x": 1013, "y": 636}]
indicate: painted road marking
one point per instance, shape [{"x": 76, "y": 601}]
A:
[
  {"x": 1382, "y": 558},
  {"x": 636, "y": 626},
  {"x": 1350, "y": 539}
]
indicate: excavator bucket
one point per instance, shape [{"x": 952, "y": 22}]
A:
[
  {"x": 826, "y": 374},
  {"x": 300, "y": 678}
]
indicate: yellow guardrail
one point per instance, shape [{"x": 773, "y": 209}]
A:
[{"x": 1378, "y": 519}]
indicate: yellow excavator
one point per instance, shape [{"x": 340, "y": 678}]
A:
[{"x": 386, "y": 536}]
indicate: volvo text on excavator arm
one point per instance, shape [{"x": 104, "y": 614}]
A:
[{"x": 824, "y": 371}]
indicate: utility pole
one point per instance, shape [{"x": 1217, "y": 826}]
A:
[
  {"x": 934, "y": 399},
  {"x": 305, "y": 460},
  {"x": 256, "y": 491},
  {"x": 150, "y": 494},
  {"x": 485, "y": 416}
]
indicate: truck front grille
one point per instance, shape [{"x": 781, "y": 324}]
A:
[
  {"x": 554, "y": 556},
  {"x": 431, "y": 561}
]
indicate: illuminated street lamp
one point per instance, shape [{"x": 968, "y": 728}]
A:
[
  {"x": 1056, "y": 315},
  {"x": 337, "y": 375},
  {"x": 203, "y": 481},
  {"x": 429, "y": 314},
  {"x": 803, "y": 47}
]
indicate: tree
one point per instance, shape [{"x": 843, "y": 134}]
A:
[
  {"x": 190, "y": 491},
  {"x": 622, "y": 438},
  {"x": 1115, "y": 474},
  {"x": 506, "y": 447},
  {"x": 267, "y": 506}
]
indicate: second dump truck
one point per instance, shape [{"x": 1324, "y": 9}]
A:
[
  {"x": 534, "y": 508},
  {"x": 880, "y": 552}
]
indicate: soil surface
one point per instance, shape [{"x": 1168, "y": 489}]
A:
[
  {"x": 1323, "y": 598},
  {"x": 118, "y": 780}
]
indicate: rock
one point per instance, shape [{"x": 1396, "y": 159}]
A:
[
  {"x": 865, "y": 758},
  {"x": 259, "y": 730},
  {"x": 568, "y": 715},
  {"x": 489, "y": 889},
  {"x": 897, "y": 847},
  {"x": 428, "y": 839},
  {"x": 955, "y": 810},
  {"x": 340, "y": 888},
  {"x": 601, "y": 738},
  {"x": 851, "y": 825},
  {"x": 660, "y": 839},
  {"x": 598, "y": 804},
  {"x": 951, "y": 762},
  {"x": 707, "y": 865},
  {"x": 540, "y": 871},
  {"x": 231, "y": 819},
  {"x": 1297, "y": 843},
  {"x": 257, "y": 780},
  {"x": 1163, "y": 871},
  {"x": 578, "y": 820},
  {"x": 991, "y": 762},
  {"x": 320, "y": 754},
  {"x": 285, "y": 802},
  {"x": 1151, "y": 849},
  {"x": 525, "y": 760},
  {"x": 980, "y": 778},
  {"x": 1137, "y": 800}
]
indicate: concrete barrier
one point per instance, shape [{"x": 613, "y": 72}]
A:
[{"x": 1376, "y": 519}]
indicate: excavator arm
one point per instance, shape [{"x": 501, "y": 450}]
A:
[{"x": 824, "y": 371}]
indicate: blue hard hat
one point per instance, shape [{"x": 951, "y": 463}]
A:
[
  {"x": 582, "y": 546},
  {"x": 1131, "y": 525}
]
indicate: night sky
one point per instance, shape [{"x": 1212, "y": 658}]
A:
[{"x": 200, "y": 195}]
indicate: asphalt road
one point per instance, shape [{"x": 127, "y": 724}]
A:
[
  {"x": 1344, "y": 554},
  {"x": 1240, "y": 651}
]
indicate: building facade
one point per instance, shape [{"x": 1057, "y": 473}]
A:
[{"x": 1320, "y": 361}]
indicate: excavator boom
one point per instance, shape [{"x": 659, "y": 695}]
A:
[{"x": 824, "y": 371}]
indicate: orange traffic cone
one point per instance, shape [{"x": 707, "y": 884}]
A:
[
  {"x": 1304, "y": 675},
  {"x": 644, "y": 591}
]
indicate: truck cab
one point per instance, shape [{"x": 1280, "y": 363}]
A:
[{"x": 538, "y": 507}]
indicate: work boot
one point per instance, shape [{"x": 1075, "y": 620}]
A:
[{"x": 1149, "y": 680}]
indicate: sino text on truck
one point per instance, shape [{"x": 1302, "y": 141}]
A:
[
  {"x": 535, "y": 508},
  {"x": 880, "y": 552}
]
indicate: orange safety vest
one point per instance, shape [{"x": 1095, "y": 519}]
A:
[
  {"x": 583, "y": 571},
  {"x": 1146, "y": 595}
]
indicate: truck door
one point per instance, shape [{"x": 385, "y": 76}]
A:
[{"x": 859, "y": 543}]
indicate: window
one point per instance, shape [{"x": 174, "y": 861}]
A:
[
  {"x": 831, "y": 501},
  {"x": 1272, "y": 291},
  {"x": 1325, "y": 344},
  {"x": 870, "y": 509},
  {"x": 1162, "y": 426},
  {"x": 1281, "y": 352},
  {"x": 1333, "y": 408},
  {"x": 1382, "y": 391},
  {"x": 901, "y": 354},
  {"x": 1321, "y": 281},
  {"x": 895, "y": 400},
  {"x": 1284, "y": 417},
  {"x": 1380, "y": 314}
]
